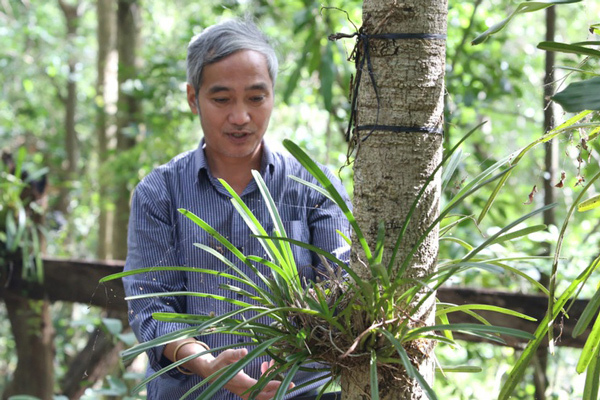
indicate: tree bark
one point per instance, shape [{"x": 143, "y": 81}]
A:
[
  {"x": 128, "y": 25},
  {"x": 551, "y": 147},
  {"x": 97, "y": 359},
  {"x": 34, "y": 338},
  {"x": 391, "y": 167},
  {"x": 105, "y": 38}
]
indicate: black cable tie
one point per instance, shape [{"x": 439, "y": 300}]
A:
[
  {"x": 398, "y": 129},
  {"x": 360, "y": 62}
]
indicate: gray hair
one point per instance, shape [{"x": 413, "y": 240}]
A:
[{"x": 221, "y": 40}]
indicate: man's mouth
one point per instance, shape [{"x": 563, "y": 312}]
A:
[{"x": 239, "y": 135}]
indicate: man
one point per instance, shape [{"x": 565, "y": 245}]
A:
[{"x": 231, "y": 75}]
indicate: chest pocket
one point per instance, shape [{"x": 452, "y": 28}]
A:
[{"x": 298, "y": 230}]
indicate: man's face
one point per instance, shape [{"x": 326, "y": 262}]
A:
[{"x": 235, "y": 102}]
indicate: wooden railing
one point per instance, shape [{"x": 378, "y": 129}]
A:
[{"x": 77, "y": 281}]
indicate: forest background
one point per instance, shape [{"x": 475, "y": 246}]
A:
[{"x": 97, "y": 148}]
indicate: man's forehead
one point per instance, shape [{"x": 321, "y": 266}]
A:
[{"x": 217, "y": 88}]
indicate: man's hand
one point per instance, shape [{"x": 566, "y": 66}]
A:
[
  {"x": 242, "y": 381},
  {"x": 207, "y": 364}
]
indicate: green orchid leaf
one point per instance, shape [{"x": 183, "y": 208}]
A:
[
  {"x": 285, "y": 383},
  {"x": 575, "y": 48},
  {"x": 449, "y": 170},
  {"x": 519, "y": 233},
  {"x": 373, "y": 376},
  {"x": 484, "y": 307},
  {"x": 286, "y": 250},
  {"x": 445, "y": 211},
  {"x": 365, "y": 288},
  {"x": 272, "y": 249},
  {"x": 130, "y": 354},
  {"x": 471, "y": 329},
  {"x": 413, "y": 207},
  {"x": 589, "y": 204},
  {"x": 592, "y": 377},
  {"x": 587, "y": 315},
  {"x": 580, "y": 96},
  {"x": 320, "y": 176},
  {"x": 411, "y": 371},
  {"x": 457, "y": 241},
  {"x": 590, "y": 348}
]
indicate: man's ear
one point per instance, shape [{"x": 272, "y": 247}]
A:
[{"x": 191, "y": 98}]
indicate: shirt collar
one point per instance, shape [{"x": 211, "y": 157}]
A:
[{"x": 267, "y": 163}]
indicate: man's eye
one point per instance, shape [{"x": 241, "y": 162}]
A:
[
  {"x": 257, "y": 99},
  {"x": 220, "y": 100}
]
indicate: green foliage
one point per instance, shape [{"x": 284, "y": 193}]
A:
[
  {"x": 565, "y": 127},
  {"x": 481, "y": 80},
  {"x": 19, "y": 231},
  {"x": 525, "y": 7},
  {"x": 588, "y": 359}
]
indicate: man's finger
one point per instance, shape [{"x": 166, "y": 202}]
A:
[
  {"x": 232, "y": 355},
  {"x": 270, "y": 389},
  {"x": 264, "y": 367}
]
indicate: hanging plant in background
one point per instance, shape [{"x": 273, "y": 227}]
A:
[{"x": 20, "y": 216}]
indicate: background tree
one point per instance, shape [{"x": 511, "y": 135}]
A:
[
  {"x": 72, "y": 15},
  {"x": 129, "y": 113},
  {"x": 105, "y": 35},
  {"x": 550, "y": 180},
  {"x": 21, "y": 222}
]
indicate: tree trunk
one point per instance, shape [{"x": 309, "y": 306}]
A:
[
  {"x": 393, "y": 162},
  {"x": 551, "y": 157},
  {"x": 98, "y": 358},
  {"x": 34, "y": 338},
  {"x": 128, "y": 24},
  {"x": 30, "y": 320},
  {"x": 72, "y": 16},
  {"x": 105, "y": 38},
  {"x": 540, "y": 376}
]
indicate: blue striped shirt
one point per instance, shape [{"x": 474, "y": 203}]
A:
[{"x": 160, "y": 236}]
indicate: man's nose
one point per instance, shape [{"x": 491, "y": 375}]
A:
[{"x": 239, "y": 115}]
